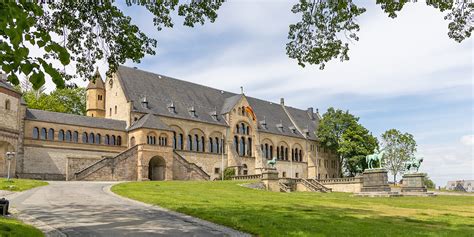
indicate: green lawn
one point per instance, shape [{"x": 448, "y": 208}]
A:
[
  {"x": 20, "y": 184},
  {"x": 12, "y": 228},
  {"x": 308, "y": 214}
]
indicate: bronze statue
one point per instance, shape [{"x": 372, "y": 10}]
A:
[{"x": 377, "y": 156}]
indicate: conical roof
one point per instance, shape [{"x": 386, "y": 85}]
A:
[{"x": 96, "y": 81}]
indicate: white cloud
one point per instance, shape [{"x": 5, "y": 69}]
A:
[{"x": 467, "y": 140}]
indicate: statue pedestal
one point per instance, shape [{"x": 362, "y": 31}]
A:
[
  {"x": 375, "y": 180},
  {"x": 414, "y": 183},
  {"x": 270, "y": 179}
]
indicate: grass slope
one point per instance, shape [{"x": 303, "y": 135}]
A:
[
  {"x": 13, "y": 228},
  {"x": 20, "y": 184},
  {"x": 308, "y": 214}
]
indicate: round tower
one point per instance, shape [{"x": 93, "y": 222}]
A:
[{"x": 95, "y": 101}]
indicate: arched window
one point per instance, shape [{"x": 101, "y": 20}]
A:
[
  {"x": 293, "y": 154},
  {"x": 107, "y": 139},
  {"x": 75, "y": 137},
  {"x": 282, "y": 153},
  {"x": 68, "y": 136},
  {"x": 7, "y": 105},
  {"x": 110, "y": 112},
  {"x": 97, "y": 138},
  {"x": 35, "y": 133},
  {"x": 119, "y": 140},
  {"x": 217, "y": 148},
  {"x": 267, "y": 154},
  {"x": 43, "y": 134},
  {"x": 61, "y": 135},
  {"x": 116, "y": 109},
  {"x": 278, "y": 152},
  {"x": 236, "y": 144},
  {"x": 91, "y": 138},
  {"x": 237, "y": 129},
  {"x": 301, "y": 155},
  {"x": 243, "y": 128},
  {"x": 132, "y": 141},
  {"x": 190, "y": 142},
  {"x": 249, "y": 147},
  {"x": 245, "y": 169},
  {"x": 181, "y": 142},
  {"x": 211, "y": 145},
  {"x": 203, "y": 144},
  {"x": 112, "y": 140},
  {"x": 286, "y": 153},
  {"x": 175, "y": 144},
  {"x": 242, "y": 146},
  {"x": 196, "y": 140},
  {"x": 85, "y": 137},
  {"x": 271, "y": 152},
  {"x": 51, "y": 134},
  {"x": 151, "y": 139}
]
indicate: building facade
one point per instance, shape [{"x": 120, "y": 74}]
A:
[{"x": 146, "y": 126}]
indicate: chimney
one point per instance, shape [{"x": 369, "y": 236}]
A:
[
  {"x": 282, "y": 101},
  {"x": 310, "y": 112}
]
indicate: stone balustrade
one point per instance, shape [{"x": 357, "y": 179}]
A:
[{"x": 247, "y": 177}]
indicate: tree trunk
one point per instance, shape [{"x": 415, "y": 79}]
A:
[{"x": 394, "y": 178}]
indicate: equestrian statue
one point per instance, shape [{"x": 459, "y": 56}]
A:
[
  {"x": 371, "y": 159},
  {"x": 272, "y": 162},
  {"x": 414, "y": 164}
]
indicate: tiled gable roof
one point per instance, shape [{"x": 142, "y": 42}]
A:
[
  {"x": 149, "y": 121},
  {"x": 76, "y": 120},
  {"x": 161, "y": 91}
]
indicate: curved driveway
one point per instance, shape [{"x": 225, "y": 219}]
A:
[{"x": 90, "y": 209}]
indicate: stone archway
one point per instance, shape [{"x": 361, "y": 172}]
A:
[
  {"x": 157, "y": 168},
  {"x": 4, "y": 148}
]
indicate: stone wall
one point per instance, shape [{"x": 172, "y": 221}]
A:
[
  {"x": 75, "y": 164},
  {"x": 207, "y": 161},
  {"x": 346, "y": 185},
  {"x": 52, "y": 163}
]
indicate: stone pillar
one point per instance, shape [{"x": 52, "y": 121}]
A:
[
  {"x": 414, "y": 183},
  {"x": 270, "y": 179},
  {"x": 375, "y": 180}
]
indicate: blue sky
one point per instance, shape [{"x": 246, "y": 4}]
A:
[{"x": 404, "y": 73}]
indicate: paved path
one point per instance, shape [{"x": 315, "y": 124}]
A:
[{"x": 90, "y": 209}]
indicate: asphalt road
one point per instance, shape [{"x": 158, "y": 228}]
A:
[{"x": 90, "y": 209}]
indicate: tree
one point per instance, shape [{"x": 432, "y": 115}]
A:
[
  {"x": 67, "y": 100},
  {"x": 71, "y": 31},
  {"x": 399, "y": 148},
  {"x": 429, "y": 183},
  {"x": 357, "y": 143},
  {"x": 340, "y": 131}
]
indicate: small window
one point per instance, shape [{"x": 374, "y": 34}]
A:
[
  {"x": 116, "y": 109},
  {"x": 61, "y": 135},
  {"x": 51, "y": 134},
  {"x": 99, "y": 97},
  {"x": 217, "y": 170},
  {"x": 85, "y": 138},
  {"x": 43, "y": 134},
  {"x": 35, "y": 133},
  {"x": 110, "y": 112},
  {"x": 75, "y": 137},
  {"x": 68, "y": 135},
  {"x": 7, "y": 105},
  {"x": 297, "y": 175},
  {"x": 97, "y": 138},
  {"x": 119, "y": 140},
  {"x": 283, "y": 174}
]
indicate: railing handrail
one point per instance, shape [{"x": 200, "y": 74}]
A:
[
  {"x": 103, "y": 160},
  {"x": 246, "y": 177},
  {"x": 194, "y": 165}
]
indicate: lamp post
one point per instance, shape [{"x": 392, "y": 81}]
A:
[{"x": 10, "y": 156}]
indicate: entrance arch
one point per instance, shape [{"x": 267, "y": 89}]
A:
[
  {"x": 4, "y": 148},
  {"x": 157, "y": 168}
]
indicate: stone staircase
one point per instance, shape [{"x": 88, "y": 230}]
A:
[
  {"x": 284, "y": 187},
  {"x": 315, "y": 186},
  {"x": 191, "y": 166},
  {"x": 107, "y": 161}
]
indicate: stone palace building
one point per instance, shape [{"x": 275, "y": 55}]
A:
[{"x": 146, "y": 126}]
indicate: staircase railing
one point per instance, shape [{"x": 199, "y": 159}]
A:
[
  {"x": 193, "y": 166},
  {"x": 284, "y": 187},
  {"x": 320, "y": 186},
  {"x": 103, "y": 162}
]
